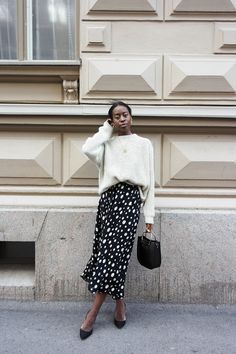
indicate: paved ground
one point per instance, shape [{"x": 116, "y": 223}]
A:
[{"x": 46, "y": 328}]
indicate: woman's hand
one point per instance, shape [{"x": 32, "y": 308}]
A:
[{"x": 149, "y": 227}]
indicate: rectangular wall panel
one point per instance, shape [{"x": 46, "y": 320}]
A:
[
  {"x": 225, "y": 38},
  {"x": 145, "y": 37},
  {"x": 38, "y": 82},
  {"x": 199, "y": 160},
  {"x": 132, "y": 77},
  {"x": 77, "y": 168},
  {"x": 122, "y": 10},
  {"x": 96, "y": 37},
  {"x": 29, "y": 92},
  {"x": 200, "y": 10},
  {"x": 200, "y": 77},
  {"x": 33, "y": 158}
]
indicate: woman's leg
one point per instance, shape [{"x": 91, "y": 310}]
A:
[
  {"x": 120, "y": 310},
  {"x": 93, "y": 312}
]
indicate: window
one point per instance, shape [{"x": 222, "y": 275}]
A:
[
  {"x": 8, "y": 29},
  {"x": 49, "y": 34}
]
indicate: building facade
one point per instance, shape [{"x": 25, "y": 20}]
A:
[{"x": 61, "y": 65}]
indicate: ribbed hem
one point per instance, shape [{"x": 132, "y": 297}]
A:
[{"x": 149, "y": 219}]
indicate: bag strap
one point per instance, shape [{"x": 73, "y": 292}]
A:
[{"x": 152, "y": 234}]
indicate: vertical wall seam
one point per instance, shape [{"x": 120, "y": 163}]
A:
[{"x": 42, "y": 226}]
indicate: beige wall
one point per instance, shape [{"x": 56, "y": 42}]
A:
[
  {"x": 152, "y": 53},
  {"x": 168, "y": 54},
  {"x": 175, "y": 63}
]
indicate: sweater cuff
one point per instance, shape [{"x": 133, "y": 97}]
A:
[
  {"x": 108, "y": 127},
  {"x": 149, "y": 220}
]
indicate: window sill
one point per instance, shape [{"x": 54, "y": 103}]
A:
[{"x": 40, "y": 62}]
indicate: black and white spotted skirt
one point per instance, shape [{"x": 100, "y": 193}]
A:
[{"x": 116, "y": 224}]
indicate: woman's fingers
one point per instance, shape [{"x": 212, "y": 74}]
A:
[{"x": 149, "y": 227}]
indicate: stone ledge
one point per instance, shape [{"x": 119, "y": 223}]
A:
[
  {"x": 17, "y": 275},
  {"x": 101, "y": 110}
]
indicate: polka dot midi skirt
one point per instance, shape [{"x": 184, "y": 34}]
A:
[{"x": 116, "y": 224}]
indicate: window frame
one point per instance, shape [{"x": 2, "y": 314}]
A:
[{"x": 24, "y": 38}]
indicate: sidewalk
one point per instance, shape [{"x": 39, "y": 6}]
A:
[{"x": 48, "y": 328}]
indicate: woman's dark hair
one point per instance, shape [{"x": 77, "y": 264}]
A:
[{"x": 116, "y": 104}]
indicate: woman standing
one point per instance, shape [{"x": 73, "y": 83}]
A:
[{"x": 126, "y": 182}]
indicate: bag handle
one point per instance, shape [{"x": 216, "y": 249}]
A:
[{"x": 151, "y": 233}]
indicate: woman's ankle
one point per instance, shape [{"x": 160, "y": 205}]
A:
[{"x": 120, "y": 305}]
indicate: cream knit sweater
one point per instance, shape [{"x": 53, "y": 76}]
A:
[{"x": 124, "y": 158}]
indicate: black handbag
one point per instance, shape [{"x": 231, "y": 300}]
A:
[{"x": 149, "y": 251}]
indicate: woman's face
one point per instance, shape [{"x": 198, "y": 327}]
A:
[{"x": 121, "y": 119}]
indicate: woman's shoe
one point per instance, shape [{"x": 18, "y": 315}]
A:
[
  {"x": 85, "y": 334},
  {"x": 120, "y": 324}
]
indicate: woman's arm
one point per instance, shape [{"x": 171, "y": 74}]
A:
[
  {"x": 149, "y": 205},
  {"x": 94, "y": 146}
]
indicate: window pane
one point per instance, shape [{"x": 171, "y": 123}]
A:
[
  {"x": 53, "y": 29},
  {"x": 8, "y": 28}
]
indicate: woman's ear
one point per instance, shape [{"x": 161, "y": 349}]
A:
[{"x": 110, "y": 121}]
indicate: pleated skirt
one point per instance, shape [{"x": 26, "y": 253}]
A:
[{"x": 116, "y": 224}]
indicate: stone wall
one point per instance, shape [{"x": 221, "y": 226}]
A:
[{"x": 198, "y": 258}]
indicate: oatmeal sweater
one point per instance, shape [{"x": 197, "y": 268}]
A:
[{"x": 124, "y": 158}]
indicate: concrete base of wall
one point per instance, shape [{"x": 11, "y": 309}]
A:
[
  {"x": 17, "y": 281},
  {"x": 198, "y": 250},
  {"x": 199, "y": 258}
]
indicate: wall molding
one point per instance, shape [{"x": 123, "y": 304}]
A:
[
  {"x": 223, "y": 112},
  {"x": 169, "y": 201}
]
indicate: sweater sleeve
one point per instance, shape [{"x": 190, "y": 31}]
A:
[
  {"x": 149, "y": 205},
  {"x": 94, "y": 146}
]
